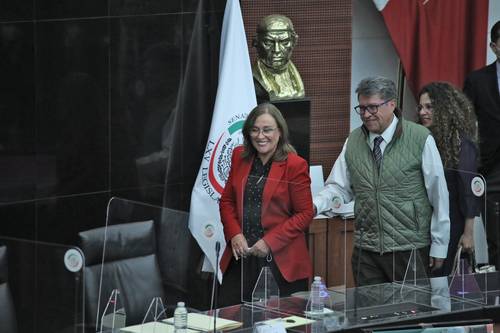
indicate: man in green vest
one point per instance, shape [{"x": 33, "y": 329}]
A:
[{"x": 392, "y": 170}]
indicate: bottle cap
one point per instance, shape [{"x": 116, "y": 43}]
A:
[{"x": 180, "y": 304}]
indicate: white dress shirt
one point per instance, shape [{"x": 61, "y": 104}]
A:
[{"x": 338, "y": 184}]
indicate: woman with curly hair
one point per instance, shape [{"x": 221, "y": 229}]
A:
[{"x": 451, "y": 119}]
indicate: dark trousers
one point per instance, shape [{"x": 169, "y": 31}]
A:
[
  {"x": 374, "y": 268},
  {"x": 493, "y": 215},
  {"x": 240, "y": 278}
]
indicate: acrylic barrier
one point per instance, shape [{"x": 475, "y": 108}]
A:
[
  {"x": 41, "y": 287},
  {"x": 276, "y": 255},
  {"x": 128, "y": 259},
  {"x": 392, "y": 236},
  {"x": 404, "y": 234},
  {"x": 131, "y": 261},
  {"x": 467, "y": 251},
  {"x": 470, "y": 209},
  {"x": 359, "y": 308}
]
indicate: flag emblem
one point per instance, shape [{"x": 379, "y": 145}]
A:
[
  {"x": 209, "y": 231},
  {"x": 217, "y": 157}
]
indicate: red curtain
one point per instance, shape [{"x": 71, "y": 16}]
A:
[{"x": 438, "y": 40}]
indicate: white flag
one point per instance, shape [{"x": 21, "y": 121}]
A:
[{"x": 235, "y": 99}]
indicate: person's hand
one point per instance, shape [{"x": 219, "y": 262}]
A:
[
  {"x": 260, "y": 249},
  {"x": 467, "y": 242},
  {"x": 467, "y": 238},
  {"x": 435, "y": 263},
  {"x": 239, "y": 245}
]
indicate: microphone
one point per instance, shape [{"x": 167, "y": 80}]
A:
[{"x": 216, "y": 275}]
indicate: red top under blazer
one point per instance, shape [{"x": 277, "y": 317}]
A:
[{"x": 287, "y": 211}]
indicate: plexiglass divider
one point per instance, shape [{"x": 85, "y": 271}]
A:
[
  {"x": 276, "y": 212},
  {"x": 467, "y": 204},
  {"x": 405, "y": 215},
  {"x": 414, "y": 293},
  {"x": 156, "y": 311},
  {"x": 266, "y": 292},
  {"x": 468, "y": 212},
  {"x": 114, "y": 316},
  {"x": 44, "y": 282},
  {"x": 141, "y": 248},
  {"x": 412, "y": 296},
  {"x": 390, "y": 258},
  {"x": 416, "y": 269}
]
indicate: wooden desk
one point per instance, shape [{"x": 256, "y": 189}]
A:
[{"x": 330, "y": 248}]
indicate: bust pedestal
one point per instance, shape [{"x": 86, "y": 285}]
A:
[{"x": 297, "y": 115}]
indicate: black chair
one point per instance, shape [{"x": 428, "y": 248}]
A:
[
  {"x": 130, "y": 265},
  {"x": 8, "y": 322}
]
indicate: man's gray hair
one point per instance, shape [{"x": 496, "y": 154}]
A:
[{"x": 377, "y": 85}]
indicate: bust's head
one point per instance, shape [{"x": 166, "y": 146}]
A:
[{"x": 275, "y": 41}]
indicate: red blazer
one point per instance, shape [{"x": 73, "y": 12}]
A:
[{"x": 287, "y": 211}]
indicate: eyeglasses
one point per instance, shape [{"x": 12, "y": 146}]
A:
[
  {"x": 425, "y": 107},
  {"x": 371, "y": 108},
  {"x": 267, "y": 131}
]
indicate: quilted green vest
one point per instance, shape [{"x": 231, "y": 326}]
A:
[{"x": 391, "y": 207}]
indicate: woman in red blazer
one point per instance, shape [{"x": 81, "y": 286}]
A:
[{"x": 265, "y": 209}]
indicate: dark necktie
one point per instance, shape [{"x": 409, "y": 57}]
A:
[{"x": 377, "y": 153}]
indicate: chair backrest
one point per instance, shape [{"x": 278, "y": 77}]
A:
[
  {"x": 8, "y": 322},
  {"x": 175, "y": 255},
  {"x": 129, "y": 264}
]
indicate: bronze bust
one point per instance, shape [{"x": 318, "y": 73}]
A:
[{"x": 275, "y": 76}]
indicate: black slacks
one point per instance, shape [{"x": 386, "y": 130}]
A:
[
  {"x": 371, "y": 268},
  {"x": 240, "y": 278},
  {"x": 492, "y": 214}
]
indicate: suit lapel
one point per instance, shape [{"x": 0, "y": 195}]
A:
[
  {"x": 493, "y": 83},
  {"x": 274, "y": 178},
  {"x": 244, "y": 170}
]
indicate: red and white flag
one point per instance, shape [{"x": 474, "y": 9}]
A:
[{"x": 437, "y": 40}]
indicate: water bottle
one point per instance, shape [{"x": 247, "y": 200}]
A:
[
  {"x": 180, "y": 318},
  {"x": 317, "y": 304}
]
